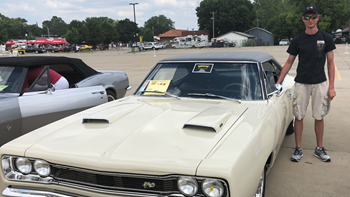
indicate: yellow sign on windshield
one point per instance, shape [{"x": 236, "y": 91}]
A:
[
  {"x": 160, "y": 85},
  {"x": 2, "y": 87}
]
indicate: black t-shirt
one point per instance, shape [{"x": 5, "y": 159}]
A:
[{"x": 312, "y": 51}]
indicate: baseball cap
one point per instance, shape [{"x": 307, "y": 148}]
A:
[{"x": 310, "y": 9}]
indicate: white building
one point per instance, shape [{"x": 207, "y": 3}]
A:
[{"x": 237, "y": 37}]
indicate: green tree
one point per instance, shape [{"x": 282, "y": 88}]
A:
[
  {"x": 230, "y": 15},
  {"x": 95, "y": 34},
  {"x": 33, "y": 31},
  {"x": 127, "y": 29},
  {"x": 159, "y": 24},
  {"x": 55, "y": 26},
  {"x": 72, "y": 36},
  {"x": 148, "y": 35},
  {"x": 3, "y": 36},
  {"x": 110, "y": 32},
  {"x": 81, "y": 27}
]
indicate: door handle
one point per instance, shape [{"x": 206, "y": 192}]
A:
[
  {"x": 101, "y": 92},
  {"x": 290, "y": 95}
]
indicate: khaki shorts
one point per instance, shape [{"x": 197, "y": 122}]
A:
[{"x": 320, "y": 102}]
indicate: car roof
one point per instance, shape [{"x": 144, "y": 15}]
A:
[
  {"x": 35, "y": 61},
  {"x": 222, "y": 56}
]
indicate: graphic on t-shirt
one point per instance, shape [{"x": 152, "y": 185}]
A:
[{"x": 320, "y": 45}]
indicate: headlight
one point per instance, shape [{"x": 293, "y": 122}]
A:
[
  {"x": 188, "y": 186},
  {"x": 212, "y": 188},
  {"x": 24, "y": 165},
  {"x": 42, "y": 168}
]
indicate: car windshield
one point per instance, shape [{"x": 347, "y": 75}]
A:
[
  {"x": 202, "y": 80},
  {"x": 10, "y": 78}
]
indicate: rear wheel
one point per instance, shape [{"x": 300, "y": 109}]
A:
[
  {"x": 260, "y": 192},
  {"x": 290, "y": 129},
  {"x": 111, "y": 96},
  {"x": 36, "y": 52}
]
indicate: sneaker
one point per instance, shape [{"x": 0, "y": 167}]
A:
[
  {"x": 321, "y": 153},
  {"x": 298, "y": 154}
]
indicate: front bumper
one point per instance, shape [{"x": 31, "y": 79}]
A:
[{"x": 13, "y": 192}]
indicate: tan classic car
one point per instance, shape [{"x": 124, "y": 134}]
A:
[{"x": 206, "y": 124}]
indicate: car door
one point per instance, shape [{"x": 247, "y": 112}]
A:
[
  {"x": 43, "y": 104},
  {"x": 280, "y": 101}
]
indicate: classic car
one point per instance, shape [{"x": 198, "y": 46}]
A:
[
  {"x": 42, "y": 104},
  {"x": 85, "y": 47},
  {"x": 53, "y": 49},
  {"x": 32, "y": 49},
  {"x": 205, "y": 124}
]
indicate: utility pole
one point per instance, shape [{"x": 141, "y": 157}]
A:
[
  {"x": 257, "y": 31},
  {"x": 133, "y": 4},
  {"x": 213, "y": 18}
]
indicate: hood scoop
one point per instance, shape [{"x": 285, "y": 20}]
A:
[
  {"x": 212, "y": 119},
  {"x": 110, "y": 115}
]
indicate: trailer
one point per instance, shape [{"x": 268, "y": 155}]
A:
[{"x": 191, "y": 41}]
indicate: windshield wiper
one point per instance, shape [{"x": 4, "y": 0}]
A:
[
  {"x": 213, "y": 95},
  {"x": 157, "y": 91}
]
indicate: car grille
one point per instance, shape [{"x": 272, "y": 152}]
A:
[
  {"x": 114, "y": 181},
  {"x": 120, "y": 182}
]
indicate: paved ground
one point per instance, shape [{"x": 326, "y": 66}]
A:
[{"x": 308, "y": 178}]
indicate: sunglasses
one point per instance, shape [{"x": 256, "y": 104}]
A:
[{"x": 310, "y": 17}]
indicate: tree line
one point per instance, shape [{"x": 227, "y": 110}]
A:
[
  {"x": 281, "y": 17},
  {"x": 92, "y": 30}
]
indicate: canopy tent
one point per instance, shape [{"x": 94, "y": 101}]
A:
[
  {"x": 9, "y": 43},
  {"x": 42, "y": 41},
  {"x": 58, "y": 41},
  {"x": 29, "y": 42}
]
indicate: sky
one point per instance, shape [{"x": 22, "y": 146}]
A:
[{"x": 182, "y": 12}]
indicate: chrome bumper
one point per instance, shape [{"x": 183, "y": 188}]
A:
[{"x": 13, "y": 192}]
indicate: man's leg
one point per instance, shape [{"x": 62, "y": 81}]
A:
[
  {"x": 319, "y": 127},
  {"x": 298, "y": 131}
]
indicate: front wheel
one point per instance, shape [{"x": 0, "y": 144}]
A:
[
  {"x": 111, "y": 96},
  {"x": 290, "y": 129},
  {"x": 260, "y": 192}
]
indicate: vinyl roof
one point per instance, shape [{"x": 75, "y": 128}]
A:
[
  {"x": 35, "y": 61},
  {"x": 222, "y": 56}
]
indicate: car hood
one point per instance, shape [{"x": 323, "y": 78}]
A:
[{"x": 161, "y": 135}]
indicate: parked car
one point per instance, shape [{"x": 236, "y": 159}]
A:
[
  {"x": 32, "y": 49},
  {"x": 152, "y": 45},
  {"x": 53, "y": 49},
  {"x": 205, "y": 124},
  {"x": 67, "y": 48},
  {"x": 85, "y": 47},
  {"x": 223, "y": 44},
  {"x": 163, "y": 45},
  {"x": 42, "y": 104},
  {"x": 284, "y": 42}
]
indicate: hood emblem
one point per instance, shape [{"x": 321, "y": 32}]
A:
[{"x": 147, "y": 185}]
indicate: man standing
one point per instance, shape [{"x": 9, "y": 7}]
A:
[{"x": 313, "y": 47}]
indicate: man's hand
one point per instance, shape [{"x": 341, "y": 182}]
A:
[{"x": 331, "y": 93}]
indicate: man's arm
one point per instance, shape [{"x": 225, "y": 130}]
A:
[
  {"x": 287, "y": 66},
  {"x": 331, "y": 74}
]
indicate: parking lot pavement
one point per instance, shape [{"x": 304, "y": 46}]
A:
[{"x": 308, "y": 178}]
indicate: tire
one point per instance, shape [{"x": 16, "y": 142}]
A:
[
  {"x": 111, "y": 96},
  {"x": 36, "y": 52},
  {"x": 52, "y": 51},
  {"x": 290, "y": 129},
  {"x": 88, "y": 49},
  {"x": 260, "y": 192}
]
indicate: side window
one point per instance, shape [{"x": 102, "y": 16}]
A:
[
  {"x": 68, "y": 72},
  {"x": 270, "y": 76},
  {"x": 41, "y": 83}
]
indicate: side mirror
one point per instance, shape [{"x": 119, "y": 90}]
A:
[{"x": 52, "y": 88}]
